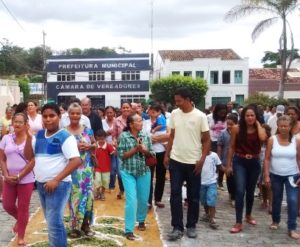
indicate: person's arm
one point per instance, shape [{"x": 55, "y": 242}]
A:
[
  {"x": 220, "y": 145},
  {"x": 27, "y": 169},
  {"x": 262, "y": 135},
  {"x": 7, "y": 177},
  {"x": 28, "y": 149},
  {"x": 205, "y": 140},
  {"x": 231, "y": 150},
  {"x": 266, "y": 165},
  {"x": 161, "y": 138},
  {"x": 169, "y": 148}
]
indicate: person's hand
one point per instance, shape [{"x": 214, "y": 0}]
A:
[
  {"x": 51, "y": 185},
  {"x": 222, "y": 168},
  {"x": 166, "y": 161},
  {"x": 198, "y": 167},
  {"x": 228, "y": 170},
  {"x": 257, "y": 124},
  {"x": 298, "y": 181},
  {"x": 81, "y": 146},
  {"x": 109, "y": 132},
  {"x": 267, "y": 181},
  {"x": 13, "y": 180},
  {"x": 28, "y": 131}
]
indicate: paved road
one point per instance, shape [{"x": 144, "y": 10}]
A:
[
  {"x": 7, "y": 222},
  {"x": 257, "y": 236}
]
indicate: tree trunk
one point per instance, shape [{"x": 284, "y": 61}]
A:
[{"x": 283, "y": 52}]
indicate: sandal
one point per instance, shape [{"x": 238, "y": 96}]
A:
[
  {"x": 87, "y": 231},
  {"x": 130, "y": 236},
  {"x": 274, "y": 226},
  {"x": 294, "y": 235},
  {"x": 159, "y": 205},
  {"x": 141, "y": 226},
  {"x": 75, "y": 233},
  {"x": 250, "y": 220},
  {"x": 236, "y": 228}
]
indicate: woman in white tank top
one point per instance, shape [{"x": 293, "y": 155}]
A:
[{"x": 281, "y": 169}]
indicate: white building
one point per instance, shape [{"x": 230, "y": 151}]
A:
[
  {"x": 225, "y": 72},
  {"x": 9, "y": 94},
  {"x": 106, "y": 80}
]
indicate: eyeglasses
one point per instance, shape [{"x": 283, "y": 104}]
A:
[{"x": 18, "y": 122}]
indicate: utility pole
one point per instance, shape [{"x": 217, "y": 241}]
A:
[{"x": 44, "y": 67}]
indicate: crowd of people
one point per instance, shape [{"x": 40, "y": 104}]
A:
[{"x": 72, "y": 155}]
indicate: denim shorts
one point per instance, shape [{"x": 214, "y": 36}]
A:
[{"x": 208, "y": 195}]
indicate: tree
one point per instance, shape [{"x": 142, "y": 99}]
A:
[
  {"x": 272, "y": 59},
  {"x": 264, "y": 100},
  {"x": 24, "y": 87},
  {"x": 163, "y": 89},
  {"x": 279, "y": 9}
]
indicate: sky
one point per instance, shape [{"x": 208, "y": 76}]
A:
[{"x": 177, "y": 24}]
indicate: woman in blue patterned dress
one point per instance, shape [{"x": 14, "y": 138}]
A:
[{"x": 81, "y": 198}]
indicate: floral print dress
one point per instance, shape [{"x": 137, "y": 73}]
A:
[{"x": 81, "y": 199}]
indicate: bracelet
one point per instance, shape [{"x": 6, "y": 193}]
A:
[{"x": 18, "y": 176}]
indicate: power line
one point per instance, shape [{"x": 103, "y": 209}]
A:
[{"x": 12, "y": 15}]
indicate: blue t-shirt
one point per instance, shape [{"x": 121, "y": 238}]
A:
[{"x": 161, "y": 120}]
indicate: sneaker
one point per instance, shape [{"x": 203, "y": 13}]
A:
[
  {"x": 175, "y": 235},
  {"x": 191, "y": 232}
]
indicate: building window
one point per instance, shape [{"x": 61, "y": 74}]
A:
[
  {"x": 132, "y": 98},
  {"x": 113, "y": 76},
  {"x": 239, "y": 99},
  {"x": 175, "y": 72},
  {"x": 97, "y": 76},
  {"x": 214, "y": 77},
  {"x": 220, "y": 100},
  {"x": 238, "y": 76},
  {"x": 226, "y": 77},
  {"x": 66, "y": 76},
  {"x": 187, "y": 73},
  {"x": 130, "y": 75},
  {"x": 199, "y": 74}
]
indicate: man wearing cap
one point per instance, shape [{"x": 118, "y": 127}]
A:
[{"x": 272, "y": 122}]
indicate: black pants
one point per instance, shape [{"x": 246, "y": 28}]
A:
[
  {"x": 160, "y": 175},
  {"x": 179, "y": 173},
  {"x": 231, "y": 186}
]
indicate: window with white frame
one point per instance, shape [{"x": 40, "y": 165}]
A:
[
  {"x": 97, "y": 76},
  {"x": 214, "y": 77},
  {"x": 66, "y": 76},
  {"x": 200, "y": 74},
  {"x": 238, "y": 76},
  {"x": 130, "y": 75},
  {"x": 132, "y": 98}
]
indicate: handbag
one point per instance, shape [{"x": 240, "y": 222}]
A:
[{"x": 151, "y": 160}]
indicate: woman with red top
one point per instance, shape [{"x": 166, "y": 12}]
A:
[
  {"x": 243, "y": 161},
  {"x": 119, "y": 125}
]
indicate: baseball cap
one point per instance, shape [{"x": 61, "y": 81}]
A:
[{"x": 280, "y": 109}]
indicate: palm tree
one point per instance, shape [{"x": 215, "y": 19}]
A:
[{"x": 279, "y": 9}]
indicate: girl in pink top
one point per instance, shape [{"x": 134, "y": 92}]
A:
[{"x": 18, "y": 175}]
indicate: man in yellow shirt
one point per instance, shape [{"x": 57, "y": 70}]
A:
[{"x": 187, "y": 149}]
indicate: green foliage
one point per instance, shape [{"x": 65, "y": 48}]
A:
[
  {"x": 272, "y": 59},
  {"x": 24, "y": 87},
  {"x": 264, "y": 100},
  {"x": 163, "y": 89}
]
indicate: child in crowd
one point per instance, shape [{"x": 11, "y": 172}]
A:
[
  {"x": 160, "y": 123},
  {"x": 208, "y": 192},
  {"x": 265, "y": 191},
  {"x": 102, "y": 170},
  {"x": 222, "y": 147}
]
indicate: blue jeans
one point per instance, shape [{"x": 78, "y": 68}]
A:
[
  {"x": 137, "y": 190},
  {"x": 277, "y": 184},
  {"x": 179, "y": 173},
  {"x": 114, "y": 171},
  {"x": 245, "y": 173},
  {"x": 53, "y": 205}
]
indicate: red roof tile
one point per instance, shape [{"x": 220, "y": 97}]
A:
[{"x": 188, "y": 55}]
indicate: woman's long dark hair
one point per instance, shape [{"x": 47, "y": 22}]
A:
[
  {"x": 130, "y": 119},
  {"x": 217, "y": 108},
  {"x": 242, "y": 123}
]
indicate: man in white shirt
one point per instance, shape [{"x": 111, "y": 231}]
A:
[
  {"x": 187, "y": 149},
  {"x": 272, "y": 122}
]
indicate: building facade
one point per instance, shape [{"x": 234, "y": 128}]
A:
[
  {"x": 106, "y": 80},
  {"x": 9, "y": 93},
  {"x": 225, "y": 72}
]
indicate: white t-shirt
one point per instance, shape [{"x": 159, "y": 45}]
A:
[
  {"x": 35, "y": 124},
  {"x": 106, "y": 128},
  {"x": 272, "y": 122},
  {"x": 157, "y": 147},
  {"x": 209, "y": 170},
  {"x": 52, "y": 154},
  {"x": 187, "y": 146},
  {"x": 65, "y": 121}
]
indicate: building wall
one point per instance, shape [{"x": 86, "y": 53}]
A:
[
  {"x": 219, "y": 90},
  {"x": 104, "y": 91},
  {"x": 9, "y": 94}
]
